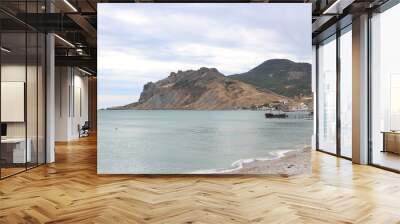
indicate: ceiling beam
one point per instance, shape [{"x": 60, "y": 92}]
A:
[
  {"x": 49, "y": 22},
  {"x": 338, "y": 6},
  {"x": 86, "y": 26},
  {"x": 77, "y": 61}
]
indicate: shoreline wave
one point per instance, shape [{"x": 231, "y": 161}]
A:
[{"x": 241, "y": 163}]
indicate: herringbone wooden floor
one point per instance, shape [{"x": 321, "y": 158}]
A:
[{"x": 70, "y": 191}]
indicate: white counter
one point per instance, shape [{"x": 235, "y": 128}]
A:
[{"x": 19, "y": 154}]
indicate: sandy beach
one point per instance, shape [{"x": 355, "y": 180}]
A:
[{"x": 285, "y": 163}]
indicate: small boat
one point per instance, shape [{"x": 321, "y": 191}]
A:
[{"x": 271, "y": 115}]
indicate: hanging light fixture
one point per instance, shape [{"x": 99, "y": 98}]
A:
[
  {"x": 70, "y": 5},
  {"x": 5, "y": 50}
]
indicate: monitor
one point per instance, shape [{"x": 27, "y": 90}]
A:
[{"x": 3, "y": 129}]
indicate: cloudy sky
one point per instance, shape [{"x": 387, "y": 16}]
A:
[{"x": 139, "y": 43}]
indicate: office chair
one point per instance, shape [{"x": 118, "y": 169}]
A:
[{"x": 84, "y": 130}]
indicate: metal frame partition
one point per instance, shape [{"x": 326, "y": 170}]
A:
[
  {"x": 338, "y": 98},
  {"x": 369, "y": 125},
  {"x": 380, "y": 9},
  {"x": 339, "y": 30},
  {"x": 38, "y": 92},
  {"x": 340, "y": 69}
]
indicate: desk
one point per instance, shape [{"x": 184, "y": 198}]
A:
[
  {"x": 17, "y": 149},
  {"x": 391, "y": 141}
]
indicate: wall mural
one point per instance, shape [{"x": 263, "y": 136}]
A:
[{"x": 204, "y": 88}]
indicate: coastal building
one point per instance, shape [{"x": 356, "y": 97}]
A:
[
  {"x": 300, "y": 107},
  {"x": 49, "y": 101}
]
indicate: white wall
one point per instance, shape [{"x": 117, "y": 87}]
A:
[
  {"x": 71, "y": 94},
  {"x": 33, "y": 126},
  {"x": 17, "y": 73},
  {"x": 79, "y": 115},
  {"x": 62, "y": 82},
  {"x": 12, "y": 73}
]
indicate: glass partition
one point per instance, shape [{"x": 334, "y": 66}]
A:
[
  {"x": 327, "y": 96},
  {"x": 32, "y": 95},
  {"x": 23, "y": 91},
  {"x": 346, "y": 93},
  {"x": 385, "y": 89},
  {"x": 14, "y": 153}
]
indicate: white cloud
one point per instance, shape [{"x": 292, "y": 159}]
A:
[
  {"x": 139, "y": 43},
  {"x": 134, "y": 66}
]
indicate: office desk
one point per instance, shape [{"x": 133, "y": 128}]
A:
[{"x": 16, "y": 147}]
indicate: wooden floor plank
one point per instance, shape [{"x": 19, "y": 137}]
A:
[{"x": 70, "y": 191}]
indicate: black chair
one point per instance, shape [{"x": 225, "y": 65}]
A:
[{"x": 84, "y": 130}]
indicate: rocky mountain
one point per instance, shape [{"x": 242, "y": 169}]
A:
[
  {"x": 281, "y": 76},
  {"x": 205, "y": 89}
]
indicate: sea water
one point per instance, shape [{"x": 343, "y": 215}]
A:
[{"x": 191, "y": 141}]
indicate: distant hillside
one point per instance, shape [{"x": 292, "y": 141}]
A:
[
  {"x": 205, "y": 88},
  {"x": 281, "y": 76}
]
